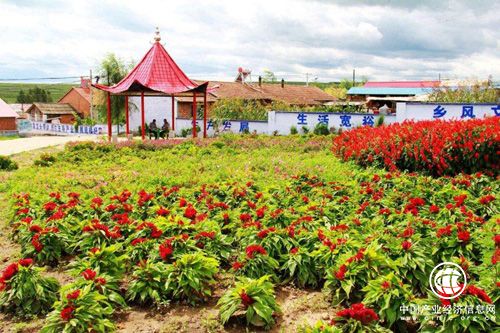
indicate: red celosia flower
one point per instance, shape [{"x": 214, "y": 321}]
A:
[
  {"x": 406, "y": 245},
  {"x": 138, "y": 241},
  {"x": 434, "y": 209},
  {"x": 478, "y": 292},
  {"x": 73, "y": 295},
  {"x": 36, "y": 243},
  {"x": 100, "y": 280},
  {"x": 486, "y": 199},
  {"x": 89, "y": 274},
  {"x": 26, "y": 262},
  {"x": 263, "y": 233},
  {"x": 67, "y": 313},
  {"x": 237, "y": 265},
  {"x": 294, "y": 250},
  {"x": 10, "y": 271},
  {"x": 386, "y": 285},
  {"x": 96, "y": 202},
  {"x": 246, "y": 299},
  {"x": 165, "y": 251},
  {"x": 496, "y": 238},
  {"x": 463, "y": 236},
  {"x": 182, "y": 202},
  {"x": 459, "y": 199},
  {"x": 162, "y": 212},
  {"x": 190, "y": 212},
  {"x": 445, "y": 231},
  {"x": 252, "y": 249},
  {"x": 50, "y": 206},
  {"x": 360, "y": 313},
  {"x": 340, "y": 274},
  {"x": 35, "y": 228},
  {"x": 245, "y": 217}
]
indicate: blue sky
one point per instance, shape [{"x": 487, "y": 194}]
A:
[{"x": 383, "y": 40}]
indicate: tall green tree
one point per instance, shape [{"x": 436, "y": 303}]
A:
[
  {"x": 34, "y": 95},
  {"x": 112, "y": 70}
]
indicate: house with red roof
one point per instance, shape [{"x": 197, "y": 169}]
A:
[
  {"x": 79, "y": 98},
  {"x": 7, "y": 118}
]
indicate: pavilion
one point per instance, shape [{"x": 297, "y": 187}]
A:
[{"x": 156, "y": 74}]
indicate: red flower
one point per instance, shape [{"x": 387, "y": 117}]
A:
[
  {"x": 246, "y": 299},
  {"x": 237, "y": 265},
  {"x": 138, "y": 241},
  {"x": 35, "y": 228},
  {"x": 36, "y": 243},
  {"x": 26, "y": 262},
  {"x": 67, "y": 313},
  {"x": 340, "y": 274},
  {"x": 478, "y": 292},
  {"x": 386, "y": 285},
  {"x": 252, "y": 249},
  {"x": 182, "y": 202},
  {"x": 445, "y": 231},
  {"x": 96, "y": 202},
  {"x": 73, "y": 295},
  {"x": 406, "y": 245},
  {"x": 359, "y": 313},
  {"x": 434, "y": 209},
  {"x": 190, "y": 212},
  {"x": 294, "y": 250},
  {"x": 496, "y": 238},
  {"x": 245, "y": 217},
  {"x": 100, "y": 280},
  {"x": 165, "y": 251},
  {"x": 486, "y": 199},
  {"x": 463, "y": 236},
  {"x": 263, "y": 233},
  {"x": 50, "y": 206},
  {"x": 10, "y": 271},
  {"x": 89, "y": 274},
  {"x": 162, "y": 212}
]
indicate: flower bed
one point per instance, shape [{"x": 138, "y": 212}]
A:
[
  {"x": 435, "y": 147},
  {"x": 372, "y": 241}
]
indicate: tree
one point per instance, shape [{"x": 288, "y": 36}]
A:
[
  {"x": 34, "y": 95},
  {"x": 466, "y": 92},
  {"x": 269, "y": 76},
  {"x": 112, "y": 70}
]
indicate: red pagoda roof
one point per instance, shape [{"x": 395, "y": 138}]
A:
[{"x": 156, "y": 72}]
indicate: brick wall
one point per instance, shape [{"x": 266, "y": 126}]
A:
[
  {"x": 80, "y": 104},
  {"x": 8, "y": 124}
]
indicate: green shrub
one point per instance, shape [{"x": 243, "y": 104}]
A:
[
  {"x": 253, "y": 298},
  {"x": 321, "y": 129},
  {"x": 80, "y": 310},
  {"x": 293, "y": 130},
  {"x": 7, "y": 164},
  {"x": 380, "y": 121},
  {"x": 147, "y": 285},
  {"x": 192, "y": 277},
  {"x": 305, "y": 130},
  {"x": 45, "y": 160},
  {"x": 26, "y": 293}
]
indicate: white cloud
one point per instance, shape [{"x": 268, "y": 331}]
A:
[{"x": 210, "y": 39}]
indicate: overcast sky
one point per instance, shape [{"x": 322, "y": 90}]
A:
[{"x": 383, "y": 40}]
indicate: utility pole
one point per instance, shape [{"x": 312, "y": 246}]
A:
[
  {"x": 307, "y": 78},
  {"x": 354, "y": 77},
  {"x": 91, "y": 99}
]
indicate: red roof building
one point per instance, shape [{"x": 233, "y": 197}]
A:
[
  {"x": 79, "y": 98},
  {"x": 7, "y": 118}
]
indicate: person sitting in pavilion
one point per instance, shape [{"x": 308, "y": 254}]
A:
[
  {"x": 153, "y": 129},
  {"x": 165, "y": 129}
]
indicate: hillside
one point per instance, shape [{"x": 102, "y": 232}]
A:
[{"x": 9, "y": 91}]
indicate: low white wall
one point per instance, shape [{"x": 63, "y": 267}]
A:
[
  {"x": 445, "y": 111},
  {"x": 229, "y": 126},
  {"x": 282, "y": 121}
]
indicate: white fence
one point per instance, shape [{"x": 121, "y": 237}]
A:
[{"x": 281, "y": 122}]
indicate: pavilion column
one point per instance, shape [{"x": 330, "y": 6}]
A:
[
  {"x": 127, "y": 124},
  {"x": 205, "y": 114},
  {"x": 173, "y": 114},
  {"x": 143, "y": 130},
  {"x": 194, "y": 114},
  {"x": 108, "y": 115}
]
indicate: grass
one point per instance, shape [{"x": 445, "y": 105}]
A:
[
  {"x": 9, "y": 91},
  {"x": 9, "y": 137}
]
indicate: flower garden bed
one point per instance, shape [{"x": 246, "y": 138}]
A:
[{"x": 292, "y": 216}]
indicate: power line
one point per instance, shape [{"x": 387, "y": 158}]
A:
[{"x": 41, "y": 78}]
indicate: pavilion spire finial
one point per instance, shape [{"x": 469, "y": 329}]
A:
[{"x": 157, "y": 37}]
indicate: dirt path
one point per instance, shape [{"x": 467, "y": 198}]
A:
[{"x": 15, "y": 146}]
